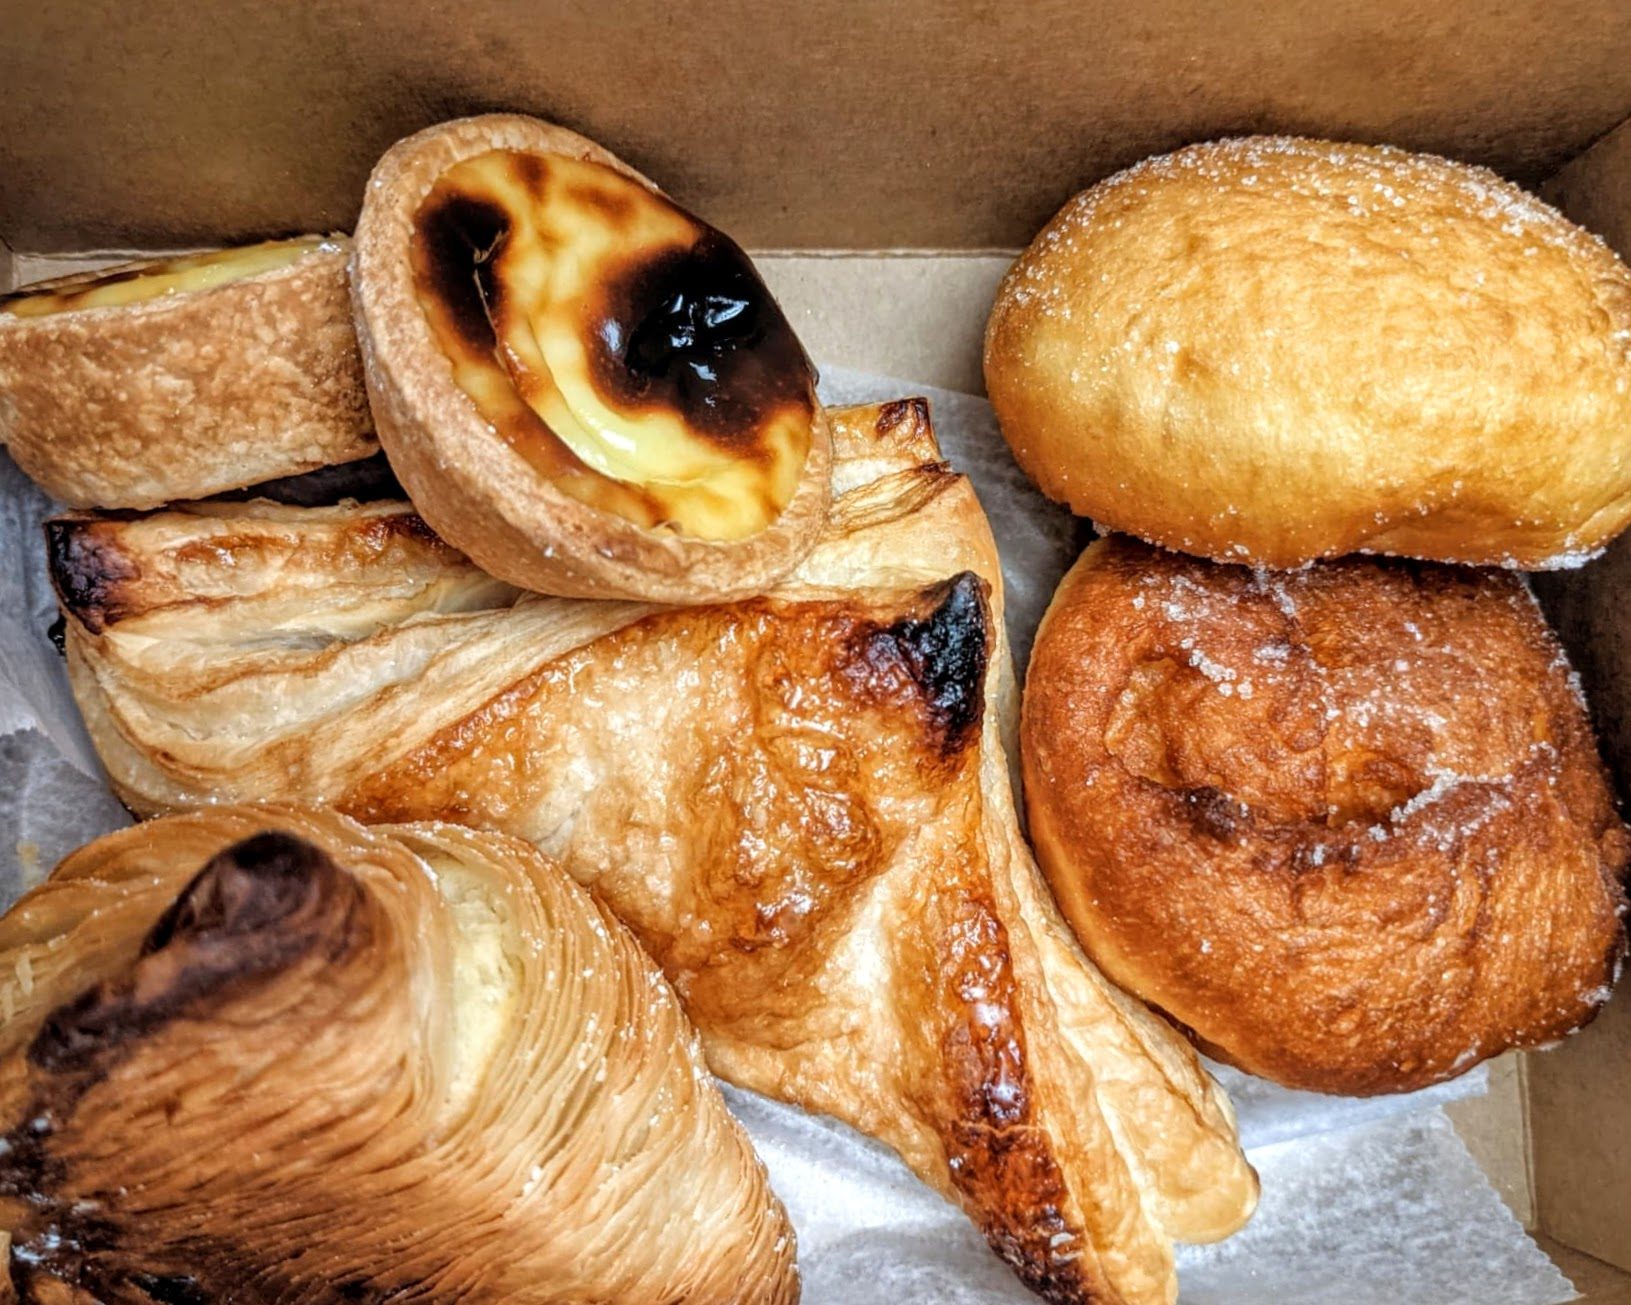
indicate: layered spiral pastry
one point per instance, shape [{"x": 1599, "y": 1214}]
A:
[
  {"x": 183, "y": 377},
  {"x": 800, "y": 803},
  {"x": 1347, "y": 825},
  {"x": 583, "y": 387},
  {"x": 261, "y": 1054}
]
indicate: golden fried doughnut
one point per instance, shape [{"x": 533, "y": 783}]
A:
[
  {"x": 1348, "y": 825},
  {"x": 1271, "y": 350}
]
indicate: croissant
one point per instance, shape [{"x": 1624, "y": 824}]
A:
[
  {"x": 259, "y": 1054},
  {"x": 800, "y": 803}
]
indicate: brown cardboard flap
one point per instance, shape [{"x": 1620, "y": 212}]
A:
[
  {"x": 1595, "y": 189},
  {"x": 1579, "y": 1108},
  {"x": 916, "y": 123},
  {"x": 868, "y": 312},
  {"x": 1580, "y": 1127}
]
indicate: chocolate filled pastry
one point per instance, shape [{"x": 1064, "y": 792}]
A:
[
  {"x": 1271, "y": 350},
  {"x": 800, "y": 803},
  {"x": 583, "y": 387},
  {"x": 260, "y": 1054},
  {"x": 1348, "y": 824},
  {"x": 184, "y": 377}
]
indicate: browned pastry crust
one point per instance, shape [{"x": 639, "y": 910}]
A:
[
  {"x": 1271, "y": 350},
  {"x": 189, "y": 394},
  {"x": 1348, "y": 824},
  {"x": 260, "y": 1054},
  {"x": 465, "y": 479},
  {"x": 800, "y": 802}
]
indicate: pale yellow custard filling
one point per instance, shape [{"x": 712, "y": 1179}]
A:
[
  {"x": 623, "y": 347},
  {"x": 185, "y": 274}
]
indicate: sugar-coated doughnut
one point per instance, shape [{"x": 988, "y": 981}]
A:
[
  {"x": 1347, "y": 825},
  {"x": 1272, "y": 350}
]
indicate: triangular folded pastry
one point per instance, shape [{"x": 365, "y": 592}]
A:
[{"x": 800, "y": 802}]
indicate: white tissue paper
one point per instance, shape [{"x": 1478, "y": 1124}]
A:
[{"x": 1363, "y": 1200}]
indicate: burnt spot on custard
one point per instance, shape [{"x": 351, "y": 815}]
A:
[
  {"x": 89, "y": 571},
  {"x": 623, "y": 348},
  {"x": 695, "y": 331},
  {"x": 943, "y": 653},
  {"x": 456, "y": 237}
]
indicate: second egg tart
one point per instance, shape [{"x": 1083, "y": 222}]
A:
[
  {"x": 178, "y": 378},
  {"x": 581, "y": 385}
]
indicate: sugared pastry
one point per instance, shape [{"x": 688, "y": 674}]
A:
[
  {"x": 1272, "y": 350},
  {"x": 582, "y": 386},
  {"x": 182, "y": 378},
  {"x": 1348, "y": 824},
  {"x": 267, "y": 1055},
  {"x": 800, "y": 803}
]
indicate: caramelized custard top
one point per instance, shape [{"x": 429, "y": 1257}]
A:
[
  {"x": 627, "y": 350},
  {"x": 136, "y": 282}
]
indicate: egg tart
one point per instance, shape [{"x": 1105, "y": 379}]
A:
[
  {"x": 183, "y": 377},
  {"x": 583, "y": 387}
]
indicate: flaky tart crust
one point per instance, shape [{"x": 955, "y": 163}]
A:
[
  {"x": 799, "y": 802},
  {"x": 473, "y": 488},
  {"x": 1347, "y": 824},
  {"x": 1272, "y": 350},
  {"x": 191, "y": 394},
  {"x": 262, "y": 1054}
]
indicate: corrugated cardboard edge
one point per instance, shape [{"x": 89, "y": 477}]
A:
[{"x": 1579, "y": 1110}]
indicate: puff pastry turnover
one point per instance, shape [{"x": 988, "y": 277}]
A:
[
  {"x": 259, "y": 1054},
  {"x": 800, "y": 802}
]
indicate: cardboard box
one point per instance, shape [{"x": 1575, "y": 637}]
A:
[{"x": 889, "y": 158}]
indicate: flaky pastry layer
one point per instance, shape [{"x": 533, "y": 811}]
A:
[
  {"x": 264, "y": 1054},
  {"x": 800, "y": 802}
]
